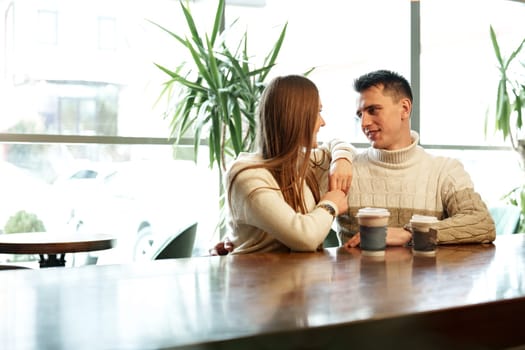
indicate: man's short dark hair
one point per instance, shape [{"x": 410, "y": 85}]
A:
[{"x": 393, "y": 83}]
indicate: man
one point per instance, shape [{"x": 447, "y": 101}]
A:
[{"x": 398, "y": 174}]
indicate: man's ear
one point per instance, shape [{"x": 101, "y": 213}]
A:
[{"x": 406, "y": 106}]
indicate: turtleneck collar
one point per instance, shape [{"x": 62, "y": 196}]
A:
[{"x": 399, "y": 156}]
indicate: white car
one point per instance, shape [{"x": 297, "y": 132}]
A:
[{"x": 141, "y": 203}]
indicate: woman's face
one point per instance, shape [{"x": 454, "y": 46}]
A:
[{"x": 320, "y": 122}]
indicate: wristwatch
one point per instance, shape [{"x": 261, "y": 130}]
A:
[{"x": 328, "y": 208}]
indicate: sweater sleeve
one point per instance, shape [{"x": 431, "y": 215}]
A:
[
  {"x": 323, "y": 156},
  {"x": 468, "y": 219},
  {"x": 256, "y": 201},
  {"x": 334, "y": 150}
]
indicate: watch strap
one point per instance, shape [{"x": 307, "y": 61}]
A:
[{"x": 330, "y": 209}]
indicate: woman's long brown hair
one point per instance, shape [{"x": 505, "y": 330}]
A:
[{"x": 288, "y": 112}]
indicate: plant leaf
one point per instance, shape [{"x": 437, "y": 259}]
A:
[
  {"x": 180, "y": 39},
  {"x": 515, "y": 53},
  {"x": 219, "y": 20},
  {"x": 191, "y": 25},
  {"x": 272, "y": 56},
  {"x": 496, "y": 46}
]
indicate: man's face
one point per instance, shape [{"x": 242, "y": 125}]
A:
[{"x": 384, "y": 121}]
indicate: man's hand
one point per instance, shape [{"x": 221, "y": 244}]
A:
[
  {"x": 395, "y": 236},
  {"x": 353, "y": 242},
  {"x": 340, "y": 175},
  {"x": 222, "y": 248}
]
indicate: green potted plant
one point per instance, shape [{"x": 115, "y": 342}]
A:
[
  {"x": 510, "y": 103},
  {"x": 511, "y": 93},
  {"x": 214, "y": 96}
]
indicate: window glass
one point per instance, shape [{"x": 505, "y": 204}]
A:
[
  {"x": 98, "y": 76},
  {"x": 340, "y": 39},
  {"x": 129, "y": 191},
  {"x": 126, "y": 84},
  {"x": 459, "y": 73}
]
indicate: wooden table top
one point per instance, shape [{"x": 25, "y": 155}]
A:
[
  {"x": 53, "y": 243},
  {"x": 467, "y": 297}
]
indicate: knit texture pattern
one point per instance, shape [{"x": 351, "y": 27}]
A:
[{"x": 411, "y": 181}]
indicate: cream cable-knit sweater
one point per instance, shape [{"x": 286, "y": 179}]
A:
[
  {"x": 261, "y": 221},
  {"x": 412, "y": 181}
]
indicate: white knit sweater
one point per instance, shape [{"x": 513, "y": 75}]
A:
[
  {"x": 261, "y": 220},
  {"x": 412, "y": 181}
]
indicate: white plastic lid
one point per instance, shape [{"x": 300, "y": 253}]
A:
[
  {"x": 372, "y": 212},
  {"x": 424, "y": 219}
]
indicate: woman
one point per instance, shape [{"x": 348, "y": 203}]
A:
[{"x": 274, "y": 195}]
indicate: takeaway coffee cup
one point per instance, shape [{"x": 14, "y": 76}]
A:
[
  {"x": 423, "y": 235},
  {"x": 372, "y": 229}
]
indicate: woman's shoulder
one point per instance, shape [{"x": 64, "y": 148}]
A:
[
  {"x": 246, "y": 173},
  {"x": 243, "y": 162},
  {"x": 248, "y": 157}
]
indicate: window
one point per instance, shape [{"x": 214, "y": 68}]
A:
[
  {"x": 81, "y": 95},
  {"x": 341, "y": 40},
  {"x": 459, "y": 74}
]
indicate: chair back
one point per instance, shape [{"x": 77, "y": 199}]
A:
[
  {"x": 506, "y": 218},
  {"x": 331, "y": 240},
  {"x": 178, "y": 246}
]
